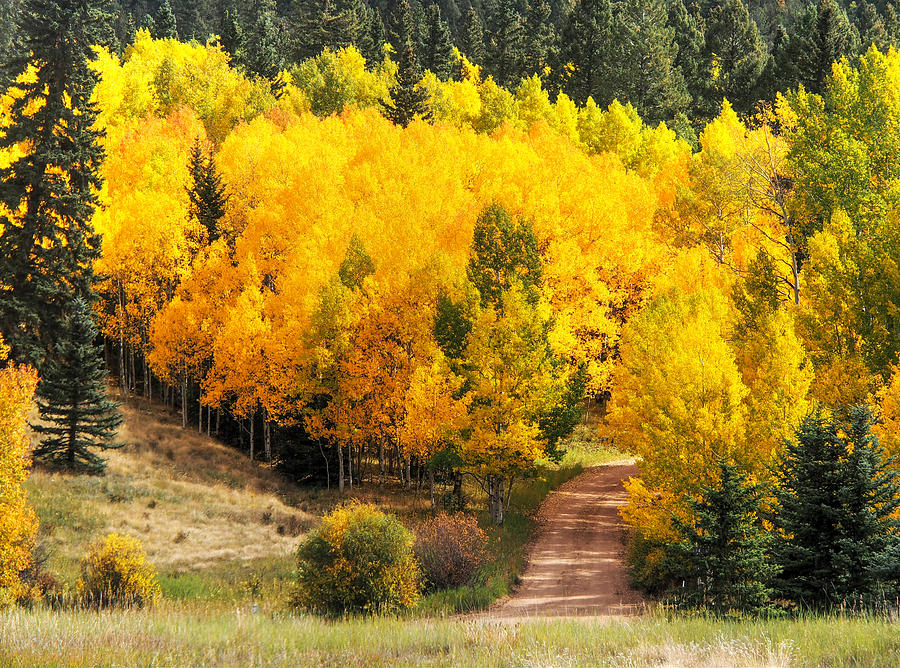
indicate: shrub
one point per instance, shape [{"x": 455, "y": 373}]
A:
[
  {"x": 116, "y": 573},
  {"x": 450, "y": 550},
  {"x": 359, "y": 560}
]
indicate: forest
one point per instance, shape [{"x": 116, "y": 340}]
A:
[{"x": 390, "y": 244}]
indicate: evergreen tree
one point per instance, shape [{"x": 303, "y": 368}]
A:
[
  {"x": 471, "y": 39},
  {"x": 407, "y": 99},
  {"x": 164, "y": 23},
  {"x": 648, "y": 77},
  {"x": 72, "y": 399},
  {"x": 207, "y": 192},
  {"x": 147, "y": 23},
  {"x": 262, "y": 52},
  {"x": 506, "y": 53},
  {"x": 402, "y": 29},
  {"x": 47, "y": 244},
  {"x": 540, "y": 38},
  {"x": 438, "y": 53},
  {"x": 129, "y": 31},
  {"x": 827, "y": 40},
  {"x": 589, "y": 53},
  {"x": 836, "y": 494},
  {"x": 871, "y": 28},
  {"x": 232, "y": 35},
  {"x": 377, "y": 36},
  {"x": 736, "y": 57},
  {"x": 726, "y": 551},
  {"x": 688, "y": 28}
]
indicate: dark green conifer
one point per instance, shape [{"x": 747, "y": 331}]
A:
[
  {"x": 438, "y": 53},
  {"x": 47, "y": 247},
  {"x": 589, "y": 53},
  {"x": 76, "y": 414},
  {"x": 828, "y": 39},
  {"x": 725, "y": 552},
  {"x": 262, "y": 55},
  {"x": 736, "y": 57},
  {"x": 837, "y": 493},
  {"x": 207, "y": 192},
  {"x": 506, "y": 46},
  {"x": 471, "y": 39},
  {"x": 540, "y": 38},
  {"x": 407, "y": 99},
  {"x": 164, "y": 24}
]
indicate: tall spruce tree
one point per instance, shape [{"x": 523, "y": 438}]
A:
[
  {"x": 506, "y": 52},
  {"x": 262, "y": 55},
  {"x": 207, "y": 192},
  {"x": 471, "y": 37},
  {"x": 837, "y": 494},
  {"x": 648, "y": 77},
  {"x": 688, "y": 27},
  {"x": 47, "y": 243},
  {"x": 438, "y": 53},
  {"x": 407, "y": 99},
  {"x": 232, "y": 34},
  {"x": 727, "y": 567},
  {"x": 828, "y": 39},
  {"x": 589, "y": 53},
  {"x": 736, "y": 57},
  {"x": 540, "y": 38},
  {"x": 164, "y": 23},
  {"x": 77, "y": 415}
]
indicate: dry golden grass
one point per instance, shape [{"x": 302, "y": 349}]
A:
[{"x": 193, "y": 502}]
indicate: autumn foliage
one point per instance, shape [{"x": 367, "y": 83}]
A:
[
  {"x": 359, "y": 560},
  {"x": 18, "y": 523},
  {"x": 115, "y": 572}
]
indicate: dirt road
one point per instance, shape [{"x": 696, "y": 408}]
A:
[{"x": 575, "y": 565}]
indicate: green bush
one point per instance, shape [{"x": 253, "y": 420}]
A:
[
  {"x": 359, "y": 560},
  {"x": 116, "y": 573},
  {"x": 450, "y": 550}
]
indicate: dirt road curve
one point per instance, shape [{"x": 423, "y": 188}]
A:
[{"x": 575, "y": 565}]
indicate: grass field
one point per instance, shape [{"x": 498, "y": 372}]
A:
[{"x": 214, "y": 635}]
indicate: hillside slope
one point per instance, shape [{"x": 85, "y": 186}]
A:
[{"x": 194, "y": 503}]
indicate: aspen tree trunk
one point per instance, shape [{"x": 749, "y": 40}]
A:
[
  {"x": 133, "y": 369},
  {"x": 350, "y": 464},
  {"x": 381, "y": 462},
  {"x": 209, "y": 411},
  {"x": 267, "y": 435},
  {"x": 495, "y": 498},
  {"x": 409, "y": 472},
  {"x": 184, "y": 384},
  {"x": 431, "y": 485},
  {"x": 252, "y": 433},
  {"x": 200, "y": 412},
  {"x": 218, "y": 418},
  {"x": 122, "y": 381},
  {"x": 340, "y": 453}
]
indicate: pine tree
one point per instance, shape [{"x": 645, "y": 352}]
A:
[
  {"x": 262, "y": 52},
  {"x": 648, "y": 77},
  {"x": 207, "y": 192},
  {"x": 232, "y": 35},
  {"x": 725, "y": 552},
  {"x": 827, "y": 40},
  {"x": 688, "y": 27},
  {"x": 408, "y": 99},
  {"x": 506, "y": 52},
  {"x": 871, "y": 28},
  {"x": 836, "y": 494},
  {"x": 736, "y": 57},
  {"x": 402, "y": 28},
  {"x": 589, "y": 53},
  {"x": 471, "y": 39},
  {"x": 540, "y": 38},
  {"x": 438, "y": 53},
  {"x": 47, "y": 244},
  {"x": 71, "y": 398},
  {"x": 164, "y": 23}
]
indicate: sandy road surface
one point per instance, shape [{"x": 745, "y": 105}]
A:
[{"x": 576, "y": 562}]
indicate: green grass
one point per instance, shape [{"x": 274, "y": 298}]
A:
[{"x": 217, "y": 635}]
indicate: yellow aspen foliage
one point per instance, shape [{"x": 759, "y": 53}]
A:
[
  {"x": 18, "y": 523},
  {"x": 888, "y": 429}
]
